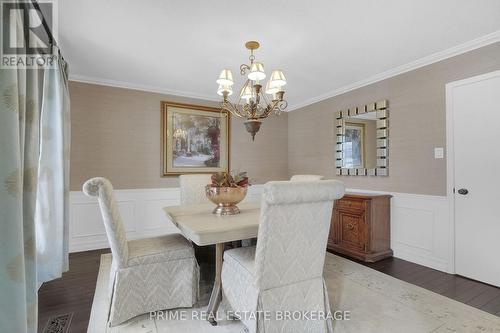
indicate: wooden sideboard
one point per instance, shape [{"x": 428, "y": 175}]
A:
[{"x": 360, "y": 227}]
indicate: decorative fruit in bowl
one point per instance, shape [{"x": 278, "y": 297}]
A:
[{"x": 226, "y": 191}]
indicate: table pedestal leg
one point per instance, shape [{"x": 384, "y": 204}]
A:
[{"x": 216, "y": 296}]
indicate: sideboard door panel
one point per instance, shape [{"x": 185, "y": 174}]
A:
[
  {"x": 351, "y": 229},
  {"x": 360, "y": 227}
]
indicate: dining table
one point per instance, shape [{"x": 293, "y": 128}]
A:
[{"x": 198, "y": 224}]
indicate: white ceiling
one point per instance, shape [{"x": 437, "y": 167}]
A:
[{"x": 324, "y": 47}]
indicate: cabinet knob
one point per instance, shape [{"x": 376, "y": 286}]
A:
[
  {"x": 463, "y": 191},
  {"x": 350, "y": 226}
]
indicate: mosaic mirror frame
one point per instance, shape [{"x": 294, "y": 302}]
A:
[{"x": 381, "y": 109}]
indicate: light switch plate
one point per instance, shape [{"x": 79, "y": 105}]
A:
[{"x": 438, "y": 152}]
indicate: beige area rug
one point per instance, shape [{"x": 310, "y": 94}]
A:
[{"x": 377, "y": 303}]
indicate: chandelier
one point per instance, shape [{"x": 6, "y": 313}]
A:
[{"x": 253, "y": 104}]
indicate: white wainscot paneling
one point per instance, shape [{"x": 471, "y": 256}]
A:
[
  {"x": 420, "y": 226},
  {"x": 420, "y": 229},
  {"x": 141, "y": 212}
]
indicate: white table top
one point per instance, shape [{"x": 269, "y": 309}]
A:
[{"x": 204, "y": 228}]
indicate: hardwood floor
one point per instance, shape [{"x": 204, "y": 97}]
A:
[{"x": 75, "y": 290}]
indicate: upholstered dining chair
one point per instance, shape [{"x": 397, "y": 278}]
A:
[
  {"x": 193, "y": 188},
  {"x": 284, "y": 272},
  {"x": 146, "y": 274},
  {"x": 306, "y": 177}
]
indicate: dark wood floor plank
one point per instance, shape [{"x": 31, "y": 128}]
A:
[
  {"x": 492, "y": 306},
  {"x": 485, "y": 297},
  {"x": 74, "y": 292},
  {"x": 398, "y": 268},
  {"x": 408, "y": 273},
  {"x": 474, "y": 289},
  {"x": 434, "y": 284},
  {"x": 422, "y": 276},
  {"x": 457, "y": 290},
  {"x": 449, "y": 286}
]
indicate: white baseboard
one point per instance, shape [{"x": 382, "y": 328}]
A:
[{"x": 419, "y": 223}]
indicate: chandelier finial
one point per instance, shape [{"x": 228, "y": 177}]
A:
[{"x": 253, "y": 127}]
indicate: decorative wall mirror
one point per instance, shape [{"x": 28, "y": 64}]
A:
[{"x": 362, "y": 140}]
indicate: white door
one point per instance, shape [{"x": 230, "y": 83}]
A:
[{"x": 474, "y": 105}]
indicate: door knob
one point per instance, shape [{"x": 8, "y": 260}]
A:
[{"x": 463, "y": 191}]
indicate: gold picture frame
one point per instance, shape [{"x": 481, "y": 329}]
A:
[{"x": 194, "y": 139}]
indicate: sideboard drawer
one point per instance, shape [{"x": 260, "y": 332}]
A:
[{"x": 350, "y": 204}]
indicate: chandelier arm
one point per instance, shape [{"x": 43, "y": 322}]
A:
[
  {"x": 244, "y": 68},
  {"x": 230, "y": 107},
  {"x": 269, "y": 109},
  {"x": 282, "y": 105},
  {"x": 237, "y": 114},
  {"x": 266, "y": 103}
]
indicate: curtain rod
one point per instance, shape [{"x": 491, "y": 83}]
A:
[{"x": 52, "y": 40}]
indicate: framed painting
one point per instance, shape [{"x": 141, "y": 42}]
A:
[
  {"x": 353, "y": 147},
  {"x": 194, "y": 139}
]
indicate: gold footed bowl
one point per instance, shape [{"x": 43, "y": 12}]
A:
[{"x": 226, "y": 198}]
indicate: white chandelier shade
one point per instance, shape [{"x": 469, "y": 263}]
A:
[
  {"x": 225, "y": 78},
  {"x": 271, "y": 89},
  {"x": 277, "y": 79},
  {"x": 256, "y": 72}
]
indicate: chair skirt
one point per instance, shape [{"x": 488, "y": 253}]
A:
[
  {"x": 288, "y": 307},
  {"x": 158, "y": 286}
]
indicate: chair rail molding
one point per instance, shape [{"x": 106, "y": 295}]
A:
[{"x": 419, "y": 223}]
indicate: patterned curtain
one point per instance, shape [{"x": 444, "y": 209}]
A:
[
  {"x": 19, "y": 139},
  {"x": 52, "y": 205},
  {"x": 34, "y": 155}
]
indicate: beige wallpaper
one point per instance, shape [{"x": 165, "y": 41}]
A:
[
  {"x": 115, "y": 133},
  {"x": 417, "y": 125}
]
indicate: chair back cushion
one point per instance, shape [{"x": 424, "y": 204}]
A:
[
  {"x": 294, "y": 225},
  {"x": 102, "y": 189},
  {"x": 306, "y": 177},
  {"x": 193, "y": 188}
]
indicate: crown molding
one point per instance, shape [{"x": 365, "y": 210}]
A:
[
  {"x": 428, "y": 60},
  {"x": 140, "y": 87}
]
